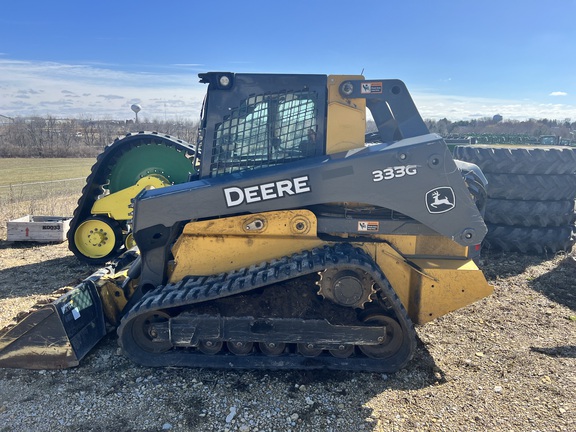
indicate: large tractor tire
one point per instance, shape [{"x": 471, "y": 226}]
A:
[
  {"x": 531, "y": 192},
  {"x": 553, "y": 187},
  {"x": 529, "y": 240},
  {"x": 529, "y": 213},
  {"x": 519, "y": 159}
]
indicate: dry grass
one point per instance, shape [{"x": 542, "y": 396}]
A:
[
  {"x": 51, "y": 205},
  {"x": 40, "y": 187},
  {"x": 14, "y": 171}
]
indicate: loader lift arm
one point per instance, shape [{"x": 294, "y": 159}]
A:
[{"x": 391, "y": 106}]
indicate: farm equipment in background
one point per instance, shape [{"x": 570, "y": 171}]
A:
[
  {"x": 531, "y": 196},
  {"x": 282, "y": 241},
  {"x": 100, "y": 227},
  {"x": 554, "y": 140}
]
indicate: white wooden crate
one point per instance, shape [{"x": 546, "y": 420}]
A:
[{"x": 43, "y": 229}]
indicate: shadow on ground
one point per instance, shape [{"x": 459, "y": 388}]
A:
[
  {"x": 42, "y": 277},
  {"x": 497, "y": 264},
  {"x": 559, "y": 285},
  {"x": 566, "y": 351}
]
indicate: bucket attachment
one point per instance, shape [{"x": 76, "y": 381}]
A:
[{"x": 59, "y": 334}]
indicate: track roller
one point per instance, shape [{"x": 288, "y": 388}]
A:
[
  {"x": 272, "y": 348},
  {"x": 240, "y": 348},
  {"x": 309, "y": 350},
  {"x": 210, "y": 347}
]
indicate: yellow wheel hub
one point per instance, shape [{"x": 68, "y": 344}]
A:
[
  {"x": 129, "y": 242},
  {"x": 95, "y": 238}
]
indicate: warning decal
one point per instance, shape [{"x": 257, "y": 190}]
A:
[
  {"x": 371, "y": 88},
  {"x": 368, "y": 226}
]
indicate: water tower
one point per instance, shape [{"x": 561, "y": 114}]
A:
[{"x": 136, "y": 108}]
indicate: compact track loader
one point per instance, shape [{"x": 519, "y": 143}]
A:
[{"x": 283, "y": 241}]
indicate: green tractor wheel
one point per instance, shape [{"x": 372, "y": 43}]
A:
[
  {"x": 122, "y": 165},
  {"x": 98, "y": 239},
  {"x": 148, "y": 159}
]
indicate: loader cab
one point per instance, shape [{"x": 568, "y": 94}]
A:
[{"x": 252, "y": 121}]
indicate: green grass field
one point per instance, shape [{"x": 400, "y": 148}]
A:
[
  {"x": 27, "y": 179},
  {"x": 49, "y": 187}
]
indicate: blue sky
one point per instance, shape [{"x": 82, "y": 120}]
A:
[{"x": 460, "y": 59}]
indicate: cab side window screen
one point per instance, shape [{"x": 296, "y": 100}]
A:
[{"x": 266, "y": 130}]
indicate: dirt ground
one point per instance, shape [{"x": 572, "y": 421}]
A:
[{"x": 505, "y": 363}]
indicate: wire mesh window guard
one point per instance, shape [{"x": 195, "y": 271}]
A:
[{"x": 266, "y": 130}]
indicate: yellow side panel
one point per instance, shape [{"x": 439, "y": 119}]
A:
[
  {"x": 221, "y": 245},
  {"x": 425, "y": 245},
  {"x": 429, "y": 289},
  {"x": 456, "y": 284},
  {"x": 394, "y": 267},
  {"x": 346, "y": 123}
]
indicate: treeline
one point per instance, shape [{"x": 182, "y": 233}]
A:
[
  {"x": 496, "y": 125},
  {"x": 53, "y": 137}
]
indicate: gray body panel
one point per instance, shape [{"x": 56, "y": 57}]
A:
[{"x": 402, "y": 176}]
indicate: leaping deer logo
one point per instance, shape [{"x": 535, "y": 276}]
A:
[{"x": 440, "y": 200}]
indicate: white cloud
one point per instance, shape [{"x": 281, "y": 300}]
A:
[
  {"x": 558, "y": 93},
  {"x": 106, "y": 93},
  {"x": 434, "y": 106},
  {"x": 103, "y": 92}
]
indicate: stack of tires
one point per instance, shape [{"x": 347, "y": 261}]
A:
[{"x": 531, "y": 193}]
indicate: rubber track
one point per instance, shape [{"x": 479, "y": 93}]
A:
[
  {"x": 530, "y": 213},
  {"x": 520, "y": 160},
  {"x": 101, "y": 170},
  {"x": 529, "y": 240},
  {"x": 195, "y": 290},
  {"x": 532, "y": 187}
]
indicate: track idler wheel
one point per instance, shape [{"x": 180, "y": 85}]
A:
[
  {"x": 145, "y": 334},
  {"x": 343, "y": 351},
  {"x": 391, "y": 344},
  {"x": 98, "y": 239}
]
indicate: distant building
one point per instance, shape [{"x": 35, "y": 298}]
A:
[{"x": 5, "y": 120}]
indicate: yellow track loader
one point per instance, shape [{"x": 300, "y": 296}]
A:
[{"x": 288, "y": 238}]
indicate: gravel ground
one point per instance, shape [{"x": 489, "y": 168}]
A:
[{"x": 506, "y": 363}]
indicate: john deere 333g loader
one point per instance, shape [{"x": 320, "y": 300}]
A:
[{"x": 282, "y": 241}]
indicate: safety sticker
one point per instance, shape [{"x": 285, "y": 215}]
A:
[
  {"x": 371, "y": 88},
  {"x": 70, "y": 308},
  {"x": 440, "y": 200},
  {"x": 368, "y": 226}
]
